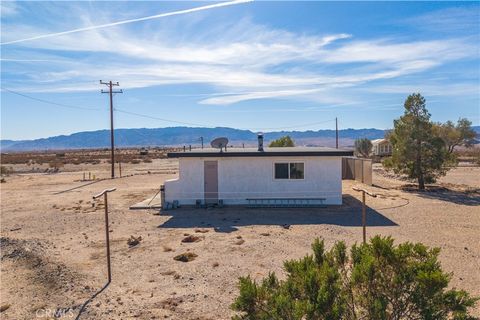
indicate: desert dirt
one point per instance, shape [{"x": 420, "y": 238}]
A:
[{"x": 53, "y": 241}]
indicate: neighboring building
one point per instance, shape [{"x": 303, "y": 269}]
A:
[
  {"x": 243, "y": 176},
  {"x": 381, "y": 147}
]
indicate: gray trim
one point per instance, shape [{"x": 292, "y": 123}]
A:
[{"x": 229, "y": 154}]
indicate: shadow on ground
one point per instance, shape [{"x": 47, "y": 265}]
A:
[
  {"x": 228, "y": 219},
  {"x": 469, "y": 197}
]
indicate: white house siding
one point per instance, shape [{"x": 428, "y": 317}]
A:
[{"x": 240, "y": 178}]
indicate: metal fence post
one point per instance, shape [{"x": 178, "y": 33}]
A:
[
  {"x": 364, "y": 210},
  {"x": 364, "y": 217},
  {"x": 107, "y": 231}
]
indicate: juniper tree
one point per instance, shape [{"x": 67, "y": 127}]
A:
[
  {"x": 460, "y": 134},
  {"x": 377, "y": 281}
]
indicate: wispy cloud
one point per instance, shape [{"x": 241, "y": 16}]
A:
[
  {"x": 239, "y": 60},
  {"x": 117, "y": 23},
  {"x": 449, "y": 20},
  {"x": 8, "y": 8}
]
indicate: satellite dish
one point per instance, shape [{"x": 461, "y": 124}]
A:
[{"x": 219, "y": 143}]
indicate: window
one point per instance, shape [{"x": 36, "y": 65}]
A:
[
  {"x": 289, "y": 170},
  {"x": 296, "y": 170},
  {"x": 281, "y": 170}
]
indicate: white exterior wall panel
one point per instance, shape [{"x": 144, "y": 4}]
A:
[{"x": 240, "y": 178}]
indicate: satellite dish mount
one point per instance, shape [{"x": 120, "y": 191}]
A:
[{"x": 219, "y": 143}]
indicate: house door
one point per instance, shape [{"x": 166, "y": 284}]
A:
[{"x": 211, "y": 181}]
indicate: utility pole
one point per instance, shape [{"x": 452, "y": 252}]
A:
[
  {"x": 110, "y": 85},
  {"x": 336, "y": 133}
]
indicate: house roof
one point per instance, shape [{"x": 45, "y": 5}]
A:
[
  {"x": 268, "y": 152},
  {"x": 379, "y": 141}
]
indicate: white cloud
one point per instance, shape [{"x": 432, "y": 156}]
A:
[
  {"x": 448, "y": 20},
  {"x": 117, "y": 23},
  {"x": 8, "y": 8},
  {"x": 240, "y": 60}
]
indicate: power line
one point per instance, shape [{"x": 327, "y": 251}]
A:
[
  {"x": 297, "y": 126},
  {"x": 162, "y": 119},
  {"x": 49, "y": 102}
]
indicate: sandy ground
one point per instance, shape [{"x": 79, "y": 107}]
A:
[{"x": 53, "y": 255}]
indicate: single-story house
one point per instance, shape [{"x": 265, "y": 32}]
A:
[
  {"x": 381, "y": 147},
  {"x": 246, "y": 176}
]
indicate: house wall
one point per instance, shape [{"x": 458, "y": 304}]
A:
[
  {"x": 382, "y": 148},
  {"x": 240, "y": 178}
]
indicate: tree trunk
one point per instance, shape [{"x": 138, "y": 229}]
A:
[
  {"x": 421, "y": 182},
  {"x": 418, "y": 164}
]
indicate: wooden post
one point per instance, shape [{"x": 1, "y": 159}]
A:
[
  {"x": 120, "y": 168},
  {"x": 364, "y": 210},
  {"x": 107, "y": 231},
  {"x": 364, "y": 218}
]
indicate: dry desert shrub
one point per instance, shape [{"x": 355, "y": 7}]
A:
[
  {"x": 191, "y": 238},
  {"x": 185, "y": 257},
  {"x": 134, "y": 241}
]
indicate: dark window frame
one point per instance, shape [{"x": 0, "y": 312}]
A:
[{"x": 289, "y": 166}]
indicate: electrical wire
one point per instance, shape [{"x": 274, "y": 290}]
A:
[
  {"x": 158, "y": 118},
  {"x": 48, "y": 102},
  {"x": 298, "y": 126}
]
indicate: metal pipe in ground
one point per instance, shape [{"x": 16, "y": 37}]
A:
[
  {"x": 364, "y": 210},
  {"x": 107, "y": 233}
]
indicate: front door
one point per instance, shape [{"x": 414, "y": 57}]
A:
[{"x": 211, "y": 181}]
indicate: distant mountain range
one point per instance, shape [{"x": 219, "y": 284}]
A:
[{"x": 179, "y": 136}]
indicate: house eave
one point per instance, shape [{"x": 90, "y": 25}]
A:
[{"x": 230, "y": 154}]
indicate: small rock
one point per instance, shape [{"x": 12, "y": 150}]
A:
[
  {"x": 133, "y": 241},
  {"x": 191, "y": 238},
  {"x": 4, "y": 307},
  {"x": 185, "y": 257}
]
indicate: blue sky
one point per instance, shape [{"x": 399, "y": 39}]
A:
[{"x": 260, "y": 65}]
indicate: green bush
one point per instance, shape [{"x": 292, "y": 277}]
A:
[
  {"x": 377, "y": 280},
  {"x": 4, "y": 170},
  {"x": 363, "y": 147},
  {"x": 285, "y": 141}
]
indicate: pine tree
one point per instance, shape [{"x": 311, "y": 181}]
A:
[{"x": 417, "y": 151}]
